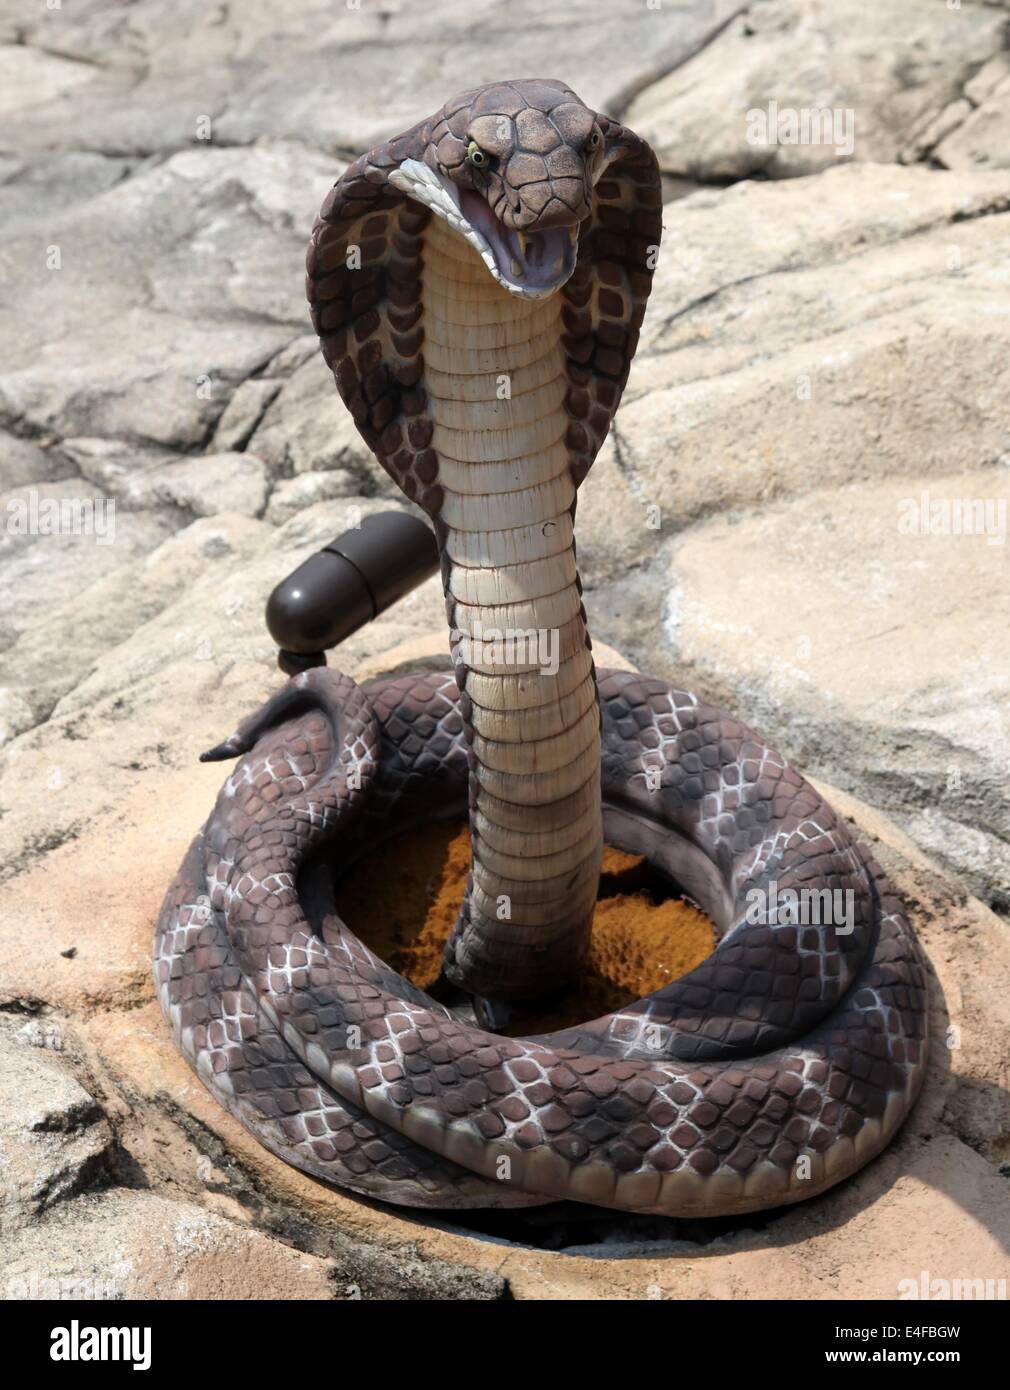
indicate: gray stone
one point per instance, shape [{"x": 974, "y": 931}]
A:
[
  {"x": 243, "y": 413},
  {"x": 23, "y": 462},
  {"x": 307, "y": 429},
  {"x": 152, "y": 480},
  {"x": 43, "y": 184},
  {"x": 201, "y": 486},
  {"x": 304, "y": 490},
  {"x": 200, "y": 263},
  {"x": 882, "y": 71},
  {"x": 126, "y": 1244},
  {"x": 792, "y": 389},
  {"x": 54, "y": 1139},
  {"x": 168, "y": 74},
  {"x": 869, "y": 650},
  {"x": 981, "y": 138}
]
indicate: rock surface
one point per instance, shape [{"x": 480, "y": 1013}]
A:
[
  {"x": 825, "y": 347},
  {"x": 743, "y": 105},
  {"x": 185, "y": 1190},
  {"x": 789, "y": 433}
]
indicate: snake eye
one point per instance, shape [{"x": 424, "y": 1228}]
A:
[
  {"x": 476, "y": 155},
  {"x": 593, "y": 143}
]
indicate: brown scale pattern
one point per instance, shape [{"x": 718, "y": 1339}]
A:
[
  {"x": 250, "y": 1070},
  {"x": 371, "y": 321},
  {"x": 776, "y": 1068},
  {"x": 605, "y": 300},
  {"x": 421, "y": 1108}
]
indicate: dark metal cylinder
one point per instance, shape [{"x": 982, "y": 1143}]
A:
[{"x": 347, "y": 584}]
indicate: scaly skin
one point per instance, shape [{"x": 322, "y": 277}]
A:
[
  {"x": 536, "y": 819},
  {"x": 773, "y": 1070},
  {"x": 420, "y": 338},
  {"x": 770, "y": 1072}
]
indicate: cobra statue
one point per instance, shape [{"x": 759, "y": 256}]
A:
[{"x": 478, "y": 284}]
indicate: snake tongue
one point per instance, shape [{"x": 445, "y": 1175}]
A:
[{"x": 531, "y": 260}]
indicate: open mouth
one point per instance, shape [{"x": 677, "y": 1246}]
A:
[
  {"x": 533, "y": 262},
  {"x": 530, "y": 264}
]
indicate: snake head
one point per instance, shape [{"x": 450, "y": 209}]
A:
[{"x": 512, "y": 167}]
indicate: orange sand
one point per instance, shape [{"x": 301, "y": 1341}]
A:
[{"x": 403, "y": 900}]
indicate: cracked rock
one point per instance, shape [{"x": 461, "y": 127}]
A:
[
  {"x": 54, "y": 1139},
  {"x": 200, "y": 261},
  {"x": 243, "y": 413},
  {"x": 305, "y": 489},
  {"x": 124, "y": 1244},
  {"x": 156, "y": 75},
  {"x": 201, "y": 486},
  {"x": 792, "y": 399},
  {"x": 23, "y": 462},
  {"x": 880, "y": 71},
  {"x": 307, "y": 429}
]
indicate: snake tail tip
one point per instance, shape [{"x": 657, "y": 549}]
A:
[{"x": 220, "y": 752}]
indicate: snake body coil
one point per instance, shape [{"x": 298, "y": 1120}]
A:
[{"x": 478, "y": 284}]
